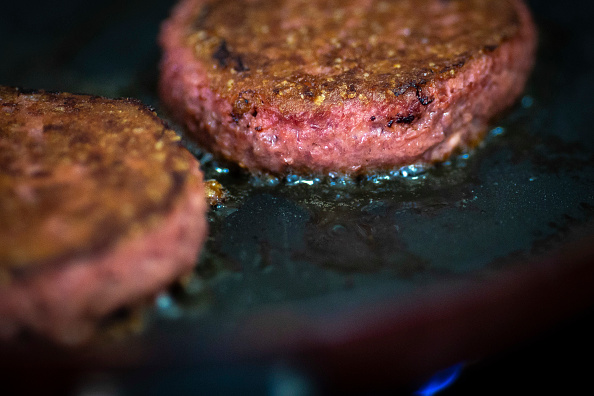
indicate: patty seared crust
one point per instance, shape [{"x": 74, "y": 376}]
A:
[
  {"x": 100, "y": 206},
  {"x": 354, "y": 86}
]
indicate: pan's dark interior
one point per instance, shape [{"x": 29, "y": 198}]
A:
[{"x": 311, "y": 255}]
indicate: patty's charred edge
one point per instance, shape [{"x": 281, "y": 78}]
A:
[
  {"x": 405, "y": 119},
  {"x": 29, "y": 91},
  {"x": 226, "y": 58},
  {"x": 201, "y": 18},
  {"x": 399, "y": 119},
  {"x": 418, "y": 87},
  {"x": 424, "y": 100},
  {"x": 222, "y": 54},
  {"x": 60, "y": 127},
  {"x": 9, "y": 104}
]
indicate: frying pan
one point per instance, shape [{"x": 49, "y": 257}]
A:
[{"x": 369, "y": 284}]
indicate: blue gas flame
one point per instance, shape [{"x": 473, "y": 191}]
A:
[{"x": 440, "y": 381}]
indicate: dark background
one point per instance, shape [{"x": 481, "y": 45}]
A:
[{"x": 108, "y": 48}]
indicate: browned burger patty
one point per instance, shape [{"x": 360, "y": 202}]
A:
[
  {"x": 349, "y": 86},
  {"x": 100, "y": 207}
]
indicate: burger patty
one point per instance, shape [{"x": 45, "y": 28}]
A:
[
  {"x": 100, "y": 207},
  {"x": 352, "y": 87}
]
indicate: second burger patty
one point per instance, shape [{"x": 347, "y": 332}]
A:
[
  {"x": 350, "y": 87},
  {"x": 101, "y": 207}
]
